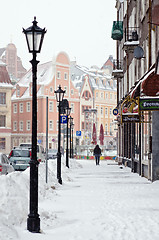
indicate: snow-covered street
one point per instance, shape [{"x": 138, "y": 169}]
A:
[{"x": 94, "y": 202}]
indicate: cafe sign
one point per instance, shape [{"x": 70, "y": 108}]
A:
[
  {"x": 149, "y": 104},
  {"x": 130, "y": 118}
]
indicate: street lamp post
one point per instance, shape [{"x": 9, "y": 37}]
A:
[
  {"x": 59, "y": 97},
  {"x": 34, "y": 37},
  {"x": 71, "y": 120},
  {"x": 68, "y": 110},
  {"x": 72, "y": 138}
]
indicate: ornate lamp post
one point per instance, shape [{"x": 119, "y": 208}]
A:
[
  {"x": 71, "y": 121},
  {"x": 72, "y": 137},
  {"x": 34, "y": 37},
  {"x": 59, "y": 97},
  {"x": 68, "y": 111}
]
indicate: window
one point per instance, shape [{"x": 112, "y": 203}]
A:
[
  {"x": 96, "y": 94},
  {"x": 65, "y": 88},
  {"x": 2, "y": 120},
  {"x": 72, "y": 107},
  {"x": 106, "y": 95},
  {"x": 102, "y": 95},
  {"x": 106, "y": 111},
  {"x": 72, "y": 92},
  {"x": 2, "y": 98},
  {"x": 65, "y": 76},
  {"x": 110, "y": 111},
  {"x": 2, "y": 143},
  {"x": 51, "y": 89},
  {"x": 82, "y": 125},
  {"x": 21, "y": 107},
  {"x": 14, "y": 108},
  {"x": 106, "y": 128},
  {"x": 51, "y": 105},
  {"x": 21, "y": 125},
  {"x": 28, "y": 106},
  {"x": 28, "y": 125},
  {"x": 101, "y": 111},
  {"x": 15, "y": 126},
  {"x": 110, "y": 95},
  {"x": 51, "y": 125},
  {"x": 58, "y": 75},
  {"x": 82, "y": 109}
]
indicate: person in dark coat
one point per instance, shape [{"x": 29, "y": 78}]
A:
[{"x": 97, "y": 154}]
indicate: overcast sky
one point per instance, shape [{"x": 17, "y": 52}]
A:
[{"x": 81, "y": 28}]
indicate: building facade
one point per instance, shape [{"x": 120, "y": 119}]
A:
[
  {"x": 5, "y": 109},
  {"x": 136, "y": 33},
  {"x": 49, "y": 76}
]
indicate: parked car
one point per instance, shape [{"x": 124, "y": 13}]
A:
[
  {"x": 5, "y": 166},
  {"x": 20, "y": 158},
  {"x": 40, "y": 150},
  {"x": 52, "y": 153}
]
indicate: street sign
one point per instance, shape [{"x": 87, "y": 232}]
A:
[
  {"x": 115, "y": 111},
  {"x": 63, "y": 119},
  {"x": 39, "y": 141},
  {"x": 78, "y": 133}
]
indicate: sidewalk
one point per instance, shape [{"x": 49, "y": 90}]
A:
[{"x": 105, "y": 202}]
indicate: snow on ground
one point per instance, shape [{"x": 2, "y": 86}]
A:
[{"x": 105, "y": 202}]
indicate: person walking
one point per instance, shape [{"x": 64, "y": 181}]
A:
[{"x": 97, "y": 154}]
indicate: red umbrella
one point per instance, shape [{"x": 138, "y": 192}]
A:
[
  {"x": 101, "y": 136},
  {"x": 94, "y": 136}
]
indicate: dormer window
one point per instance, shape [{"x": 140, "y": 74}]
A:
[
  {"x": 18, "y": 91},
  {"x": 86, "y": 95}
]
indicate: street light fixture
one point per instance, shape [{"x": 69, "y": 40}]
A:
[
  {"x": 68, "y": 111},
  {"x": 59, "y": 97},
  {"x": 34, "y": 37},
  {"x": 71, "y": 121}
]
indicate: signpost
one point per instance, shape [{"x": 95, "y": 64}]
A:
[{"x": 130, "y": 118}]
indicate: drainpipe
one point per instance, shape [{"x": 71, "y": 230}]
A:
[{"x": 150, "y": 63}]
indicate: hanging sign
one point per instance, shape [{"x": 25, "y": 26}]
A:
[
  {"x": 130, "y": 118},
  {"x": 149, "y": 104}
]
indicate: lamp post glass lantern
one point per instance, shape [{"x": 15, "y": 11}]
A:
[
  {"x": 68, "y": 111},
  {"x": 59, "y": 97},
  {"x": 34, "y": 37}
]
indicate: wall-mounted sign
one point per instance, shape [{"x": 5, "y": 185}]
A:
[
  {"x": 115, "y": 111},
  {"x": 78, "y": 133},
  {"x": 130, "y": 118},
  {"x": 149, "y": 104}
]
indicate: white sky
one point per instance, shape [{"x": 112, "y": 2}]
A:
[{"x": 81, "y": 28}]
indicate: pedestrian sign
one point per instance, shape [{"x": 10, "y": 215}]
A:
[{"x": 78, "y": 133}]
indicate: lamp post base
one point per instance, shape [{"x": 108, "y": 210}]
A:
[
  {"x": 60, "y": 180},
  {"x": 33, "y": 224}
]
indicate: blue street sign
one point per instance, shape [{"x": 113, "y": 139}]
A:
[
  {"x": 39, "y": 141},
  {"x": 63, "y": 119},
  {"x": 78, "y": 133},
  {"x": 115, "y": 111}
]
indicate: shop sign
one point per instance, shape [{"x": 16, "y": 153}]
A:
[
  {"x": 149, "y": 104},
  {"x": 130, "y": 118}
]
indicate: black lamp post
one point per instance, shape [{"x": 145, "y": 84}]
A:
[
  {"x": 71, "y": 121},
  {"x": 59, "y": 97},
  {"x": 68, "y": 110},
  {"x": 72, "y": 138},
  {"x": 34, "y": 37}
]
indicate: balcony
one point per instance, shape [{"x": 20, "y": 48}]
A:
[
  {"x": 131, "y": 39},
  {"x": 117, "y": 69}
]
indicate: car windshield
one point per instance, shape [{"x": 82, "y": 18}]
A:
[
  {"x": 52, "y": 151},
  {"x": 20, "y": 153}
]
